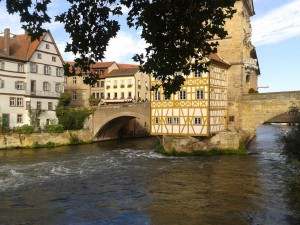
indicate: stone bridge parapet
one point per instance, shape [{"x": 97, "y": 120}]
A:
[{"x": 256, "y": 109}]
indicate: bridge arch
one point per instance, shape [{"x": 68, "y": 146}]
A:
[
  {"x": 256, "y": 109},
  {"x": 117, "y": 121}
]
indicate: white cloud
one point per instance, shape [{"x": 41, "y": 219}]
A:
[
  {"x": 122, "y": 48},
  {"x": 278, "y": 25}
]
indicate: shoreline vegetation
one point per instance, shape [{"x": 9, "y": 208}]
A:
[{"x": 242, "y": 150}]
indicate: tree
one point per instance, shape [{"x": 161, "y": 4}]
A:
[
  {"x": 178, "y": 32},
  {"x": 64, "y": 99}
]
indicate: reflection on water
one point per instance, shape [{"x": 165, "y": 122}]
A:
[{"x": 126, "y": 182}]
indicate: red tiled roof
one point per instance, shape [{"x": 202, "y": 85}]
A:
[
  {"x": 123, "y": 72},
  {"x": 127, "y": 66},
  {"x": 216, "y": 58},
  {"x": 21, "y": 47}
]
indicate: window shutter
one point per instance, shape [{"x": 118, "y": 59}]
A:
[{"x": 16, "y": 85}]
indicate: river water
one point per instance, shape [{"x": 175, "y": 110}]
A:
[{"x": 126, "y": 182}]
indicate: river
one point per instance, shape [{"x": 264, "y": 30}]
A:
[{"x": 126, "y": 182}]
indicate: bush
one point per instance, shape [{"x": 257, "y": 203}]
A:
[
  {"x": 54, "y": 128},
  {"x": 25, "y": 129},
  {"x": 291, "y": 143},
  {"x": 74, "y": 139},
  {"x": 71, "y": 119}
]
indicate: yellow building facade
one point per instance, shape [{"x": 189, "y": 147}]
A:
[{"x": 198, "y": 109}]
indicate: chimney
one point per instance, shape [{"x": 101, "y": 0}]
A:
[{"x": 6, "y": 41}]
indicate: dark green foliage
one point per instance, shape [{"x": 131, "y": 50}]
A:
[
  {"x": 25, "y": 129},
  {"x": 291, "y": 142},
  {"x": 93, "y": 101},
  {"x": 175, "y": 30},
  {"x": 71, "y": 119},
  {"x": 74, "y": 139},
  {"x": 54, "y": 128},
  {"x": 211, "y": 152},
  {"x": 64, "y": 100}
]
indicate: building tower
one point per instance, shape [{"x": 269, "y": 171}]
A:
[{"x": 239, "y": 52}]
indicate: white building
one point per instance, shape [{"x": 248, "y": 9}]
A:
[
  {"x": 31, "y": 77},
  {"x": 126, "y": 85}
]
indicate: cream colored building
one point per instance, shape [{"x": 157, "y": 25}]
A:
[
  {"x": 81, "y": 92},
  {"x": 31, "y": 77},
  {"x": 126, "y": 85},
  {"x": 198, "y": 109}
]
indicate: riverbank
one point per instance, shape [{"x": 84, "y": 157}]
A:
[{"x": 34, "y": 140}]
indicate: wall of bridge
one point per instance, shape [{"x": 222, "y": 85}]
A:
[
  {"x": 256, "y": 109},
  {"x": 119, "y": 121}
]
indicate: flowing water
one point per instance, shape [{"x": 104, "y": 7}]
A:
[{"x": 126, "y": 182}]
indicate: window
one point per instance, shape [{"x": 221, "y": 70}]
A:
[
  {"x": 115, "y": 95},
  {"x": 47, "y": 121},
  {"x": 50, "y": 106},
  {"x": 139, "y": 84},
  {"x": 169, "y": 120},
  {"x": 182, "y": 95},
  {"x": 21, "y": 67},
  {"x": 97, "y": 84},
  {"x": 74, "y": 80},
  {"x": 197, "y": 120},
  {"x": 46, "y": 86},
  {"x": 53, "y": 59},
  {"x": 47, "y": 70},
  {"x": 39, "y": 105},
  {"x": 129, "y": 83},
  {"x": 115, "y": 83},
  {"x": 58, "y": 88},
  {"x": 166, "y": 97},
  {"x": 102, "y": 83},
  {"x": 108, "y": 96},
  {"x": 212, "y": 94},
  {"x": 19, "y": 85},
  {"x": 176, "y": 120},
  {"x": 2, "y": 65},
  {"x": 28, "y": 106},
  {"x": 33, "y": 68},
  {"x": 129, "y": 94},
  {"x": 39, "y": 55},
  {"x": 19, "y": 118},
  {"x": 197, "y": 74},
  {"x": 13, "y": 101},
  {"x": 74, "y": 95},
  {"x": 59, "y": 72},
  {"x": 199, "y": 94},
  {"x": 156, "y": 96},
  {"x": 156, "y": 120},
  {"x": 47, "y": 46},
  {"x": 102, "y": 95},
  {"x": 1, "y": 83},
  {"x": 122, "y": 95},
  {"x": 231, "y": 118}
]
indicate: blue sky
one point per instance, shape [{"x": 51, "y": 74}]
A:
[{"x": 275, "y": 34}]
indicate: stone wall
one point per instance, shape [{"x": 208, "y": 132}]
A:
[
  {"x": 14, "y": 140},
  {"x": 222, "y": 140}
]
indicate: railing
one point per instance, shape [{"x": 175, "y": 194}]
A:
[{"x": 43, "y": 93}]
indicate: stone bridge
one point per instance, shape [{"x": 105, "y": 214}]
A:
[
  {"x": 120, "y": 121},
  {"x": 256, "y": 109}
]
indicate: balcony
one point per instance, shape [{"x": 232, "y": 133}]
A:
[{"x": 43, "y": 93}]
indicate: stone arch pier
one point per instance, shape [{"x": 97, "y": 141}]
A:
[{"x": 120, "y": 121}]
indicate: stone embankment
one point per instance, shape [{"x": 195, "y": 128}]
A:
[
  {"x": 15, "y": 140},
  {"x": 222, "y": 141}
]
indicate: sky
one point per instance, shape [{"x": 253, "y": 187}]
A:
[{"x": 275, "y": 34}]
